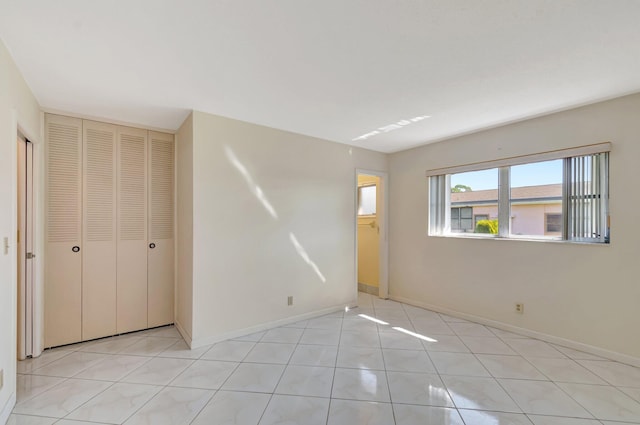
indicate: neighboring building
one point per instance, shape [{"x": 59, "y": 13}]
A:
[{"x": 535, "y": 210}]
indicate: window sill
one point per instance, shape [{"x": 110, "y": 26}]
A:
[{"x": 517, "y": 238}]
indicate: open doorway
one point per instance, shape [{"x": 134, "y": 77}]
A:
[
  {"x": 371, "y": 233},
  {"x": 25, "y": 256}
]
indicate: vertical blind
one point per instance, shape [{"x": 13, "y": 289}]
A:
[{"x": 586, "y": 192}]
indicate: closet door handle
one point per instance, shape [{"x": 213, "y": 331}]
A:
[
  {"x": 75, "y": 249},
  {"x": 152, "y": 245}
]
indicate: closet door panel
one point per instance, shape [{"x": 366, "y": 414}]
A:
[
  {"x": 99, "y": 224},
  {"x": 132, "y": 230},
  {"x": 161, "y": 230},
  {"x": 63, "y": 275}
]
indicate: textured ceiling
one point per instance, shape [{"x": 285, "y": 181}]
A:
[{"x": 382, "y": 74}]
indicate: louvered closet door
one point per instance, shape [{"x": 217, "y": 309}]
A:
[
  {"x": 160, "y": 252},
  {"x": 63, "y": 275},
  {"x": 99, "y": 211},
  {"x": 132, "y": 229}
]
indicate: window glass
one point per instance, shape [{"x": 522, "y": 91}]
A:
[
  {"x": 474, "y": 194},
  {"x": 553, "y": 224},
  {"x": 461, "y": 219},
  {"x": 536, "y": 192},
  {"x": 367, "y": 200}
]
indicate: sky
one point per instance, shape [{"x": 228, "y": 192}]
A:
[{"x": 538, "y": 173}]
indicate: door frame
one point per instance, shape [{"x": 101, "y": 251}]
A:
[
  {"x": 25, "y": 244},
  {"x": 38, "y": 225},
  {"x": 383, "y": 223}
]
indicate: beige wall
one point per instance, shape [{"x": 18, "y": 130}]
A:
[
  {"x": 184, "y": 221},
  {"x": 260, "y": 197},
  {"x": 584, "y": 293},
  {"x": 16, "y": 102}
]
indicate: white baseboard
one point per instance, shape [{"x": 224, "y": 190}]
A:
[
  {"x": 7, "y": 409},
  {"x": 597, "y": 351},
  {"x": 185, "y": 335},
  {"x": 201, "y": 342}
]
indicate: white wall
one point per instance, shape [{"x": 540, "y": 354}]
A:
[
  {"x": 184, "y": 234},
  {"x": 584, "y": 293},
  {"x": 16, "y": 103},
  {"x": 253, "y": 188}
]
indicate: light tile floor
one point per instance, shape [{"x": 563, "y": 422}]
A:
[{"x": 339, "y": 369}]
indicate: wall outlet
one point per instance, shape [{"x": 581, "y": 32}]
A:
[
  {"x": 519, "y": 308},
  {"x": 290, "y": 300}
]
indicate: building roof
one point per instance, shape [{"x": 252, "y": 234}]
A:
[{"x": 528, "y": 193}]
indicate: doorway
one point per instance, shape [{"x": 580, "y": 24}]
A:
[
  {"x": 25, "y": 256},
  {"x": 371, "y": 234}
]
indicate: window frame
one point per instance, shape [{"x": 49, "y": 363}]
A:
[
  {"x": 576, "y": 199},
  {"x": 546, "y": 224}
]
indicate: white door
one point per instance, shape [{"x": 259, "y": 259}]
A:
[
  {"x": 99, "y": 235},
  {"x": 132, "y": 229},
  {"x": 160, "y": 263},
  {"x": 63, "y": 274}
]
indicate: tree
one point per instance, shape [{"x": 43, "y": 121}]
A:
[
  {"x": 460, "y": 188},
  {"x": 487, "y": 226}
]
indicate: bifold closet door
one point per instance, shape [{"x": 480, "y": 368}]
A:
[
  {"x": 160, "y": 250},
  {"x": 132, "y": 229},
  {"x": 99, "y": 236},
  {"x": 63, "y": 275}
]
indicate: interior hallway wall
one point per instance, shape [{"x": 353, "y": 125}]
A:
[{"x": 16, "y": 102}]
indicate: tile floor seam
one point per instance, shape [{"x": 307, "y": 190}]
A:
[
  {"x": 335, "y": 368},
  {"x": 219, "y": 388},
  {"x": 576, "y": 401},
  {"x": 498, "y": 381},
  {"x": 204, "y": 406},
  {"x": 96, "y": 395},
  {"x": 588, "y": 410},
  {"x": 281, "y": 374},
  {"x": 386, "y": 375},
  {"x": 114, "y": 383}
]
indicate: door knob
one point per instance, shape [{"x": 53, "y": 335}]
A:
[
  {"x": 75, "y": 249},
  {"x": 152, "y": 245}
]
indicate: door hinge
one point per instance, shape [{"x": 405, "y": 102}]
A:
[{"x": 30, "y": 255}]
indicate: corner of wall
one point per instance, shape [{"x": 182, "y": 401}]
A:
[{"x": 184, "y": 229}]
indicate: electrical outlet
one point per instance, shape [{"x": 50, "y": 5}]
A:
[
  {"x": 290, "y": 300},
  {"x": 519, "y": 308}
]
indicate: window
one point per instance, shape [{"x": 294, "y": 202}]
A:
[
  {"x": 552, "y": 223},
  {"x": 561, "y": 195},
  {"x": 367, "y": 200},
  {"x": 461, "y": 219}
]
